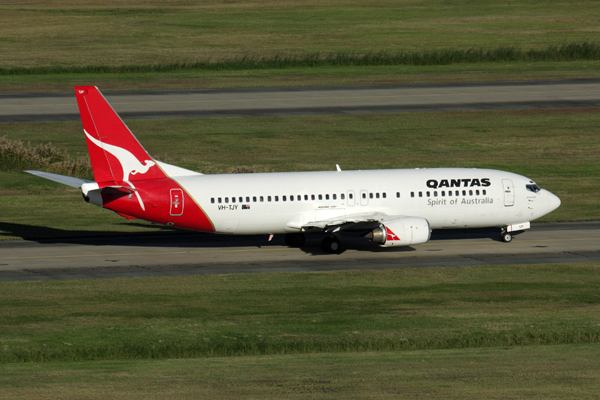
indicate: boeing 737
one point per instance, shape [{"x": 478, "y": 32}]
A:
[{"x": 396, "y": 207}]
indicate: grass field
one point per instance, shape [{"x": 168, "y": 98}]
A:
[
  {"x": 519, "y": 372},
  {"x": 84, "y": 33},
  {"x": 318, "y": 76},
  {"x": 386, "y": 322},
  {"x": 557, "y": 148},
  {"x": 148, "y": 32}
]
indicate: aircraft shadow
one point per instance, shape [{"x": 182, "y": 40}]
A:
[{"x": 168, "y": 237}]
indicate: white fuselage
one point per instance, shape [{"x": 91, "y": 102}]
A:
[{"x": 446, "y": 197}]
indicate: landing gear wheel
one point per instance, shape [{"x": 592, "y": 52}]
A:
[
  {"x": 505, "y": 237},
  {"x": 295, "y": 239},
  {"x": 331, "y": 246}
]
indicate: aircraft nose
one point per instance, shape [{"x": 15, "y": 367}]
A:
[{"x": 553, "y": 202}]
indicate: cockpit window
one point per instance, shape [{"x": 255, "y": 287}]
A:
[{"x": 533, "y": 187}]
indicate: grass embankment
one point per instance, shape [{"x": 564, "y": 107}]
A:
[
  {"x": 548, "y": 372},
  {"x": 498, "y": 308},
  {"x": 559, "y": 149},
  {"x": 161, "y": 37},
  {"x": 262, "y": 314}
]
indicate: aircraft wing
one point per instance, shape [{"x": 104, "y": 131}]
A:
[
  {"x": 65, "y": 180},
  {"x": 350, "y": 222}
]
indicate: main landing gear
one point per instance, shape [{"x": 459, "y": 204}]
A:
[
  {"x": 295, "y": 239},
  {"x": 331, "y": 245},
  {"x": 505, "y": 236}
]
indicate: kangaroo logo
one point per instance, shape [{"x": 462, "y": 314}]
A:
[{"x": 129, "y": 163}]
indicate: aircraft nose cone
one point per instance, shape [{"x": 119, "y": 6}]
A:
[{"x": 553, "y": 202}]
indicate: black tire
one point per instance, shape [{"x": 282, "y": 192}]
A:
[
  {"x": 331, "y": 246},
  {"x": 295, "y": 239},
  {"x": 506, "y": 237}
]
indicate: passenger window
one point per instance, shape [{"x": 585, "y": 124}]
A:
[
  {"x": 326, "y": 197},
  {"x": 428, "y": 194},
  {"x": 241, "y": 199},
  {"x": 364, "y": 195},
  {"x": 342, "y": 196},
  {"x": 312, "y": 196},
  {"x": 299, "y": 198},
  {"x": 276, "y": 198},
  {"x": 450, "y": 193},
  {"x": 457, "y": 193},
  {"x": 247, "y": 199},
  {"x": 464, "y": 192},
  {"x": 377, "y": 195},
  {"x": 412, "y": 194},
  {"x": 262, "y": 199},
  {"x": 283, "y": 198},
  {"x": 420, "y": 194},
  {"x": 384, "y": 196},
  {"x": 292, "y": 198},
  {"x": 268, "y": 198},
  {"x": 320, "y": 197},
  {"x": 435, "y": 193},
  {"x": 305, "y": 197},
  {"x": 233, "y": 199},
  {"x": 212, "y": 200},
  {"x": 477, "y": 192},
  {"x": 254, "y": 199},
  {"x": 226, "y": 199},
  {"x": 351, "y": 196},
  {"x": 484, "y": 192},
  {"x": 334, "y": 196},
  {"x": 470, "y": 193},
  {"x": 219, "y": 200},
  {"x": 443, "y": 193}
]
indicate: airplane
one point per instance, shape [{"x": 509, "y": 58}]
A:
[{"x": 395, "y": 207}]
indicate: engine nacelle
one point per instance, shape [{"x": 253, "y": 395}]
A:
[{"x": 403, "y": 231}]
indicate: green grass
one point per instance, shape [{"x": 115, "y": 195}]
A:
[
  {"x": 147, "y": 32},
  {"x": 565, "y": 52},
  {"x": 315, "y": 76},
  {"x": 152, "y": 35},
  {"x": 549, "y": 372},
  {"x": 557, "y": 148},
  {"x": 294, "y": 313}
]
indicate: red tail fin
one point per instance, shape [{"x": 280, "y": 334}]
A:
[{"x": 115, "y": 153}]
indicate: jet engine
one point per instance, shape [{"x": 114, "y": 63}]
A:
[{"x": 403, "y": 231}]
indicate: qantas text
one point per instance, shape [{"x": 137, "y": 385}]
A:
[{"x": 450, "y": 183}]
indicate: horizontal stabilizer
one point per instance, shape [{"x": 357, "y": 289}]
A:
[{"x": 65, "y": 180}]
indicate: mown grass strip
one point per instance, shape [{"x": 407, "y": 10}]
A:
[
  {"x": 557, "y": 372},
  {"x": 293, "y": 313},
  {"x": 565, "y": 52}
]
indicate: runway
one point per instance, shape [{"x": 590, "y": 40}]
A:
[
  {"x": 312, "y": 100},
  {"x": 191, "y": 254},
  {"x": 188, "y": 254}
]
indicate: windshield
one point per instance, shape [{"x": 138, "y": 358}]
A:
[{"x": 533, "y": 187}]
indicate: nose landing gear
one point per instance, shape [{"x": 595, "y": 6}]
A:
[{"x": 505, "y": 236}]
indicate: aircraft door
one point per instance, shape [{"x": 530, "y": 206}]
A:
[
  {"x": 176, "y": 202},
  {"x": 364, "y": 197},
  {"x": 509, "y": 193},
  {"x": 351, "y": 199}
]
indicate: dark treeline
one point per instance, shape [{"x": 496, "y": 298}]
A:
[{"x": 565, "y": 52}]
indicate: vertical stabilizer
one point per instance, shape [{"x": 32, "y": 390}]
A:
[{"x": 116, "y": 154}]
